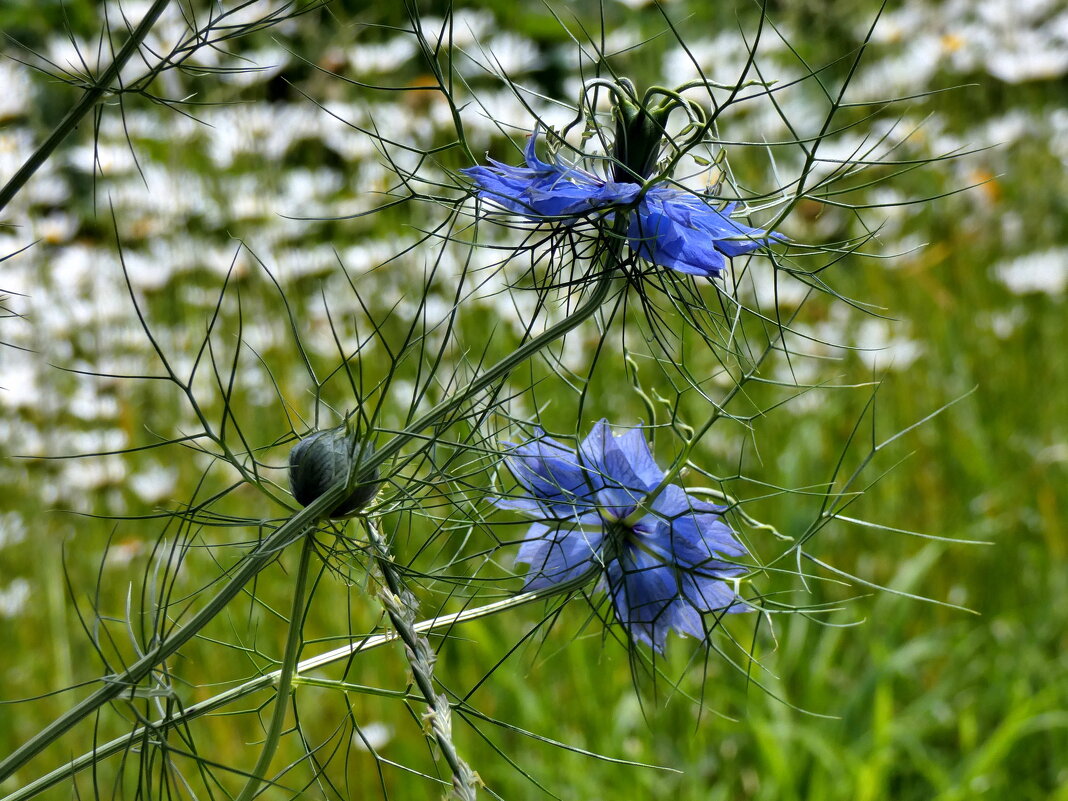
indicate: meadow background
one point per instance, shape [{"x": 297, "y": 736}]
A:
[{"x": 916, "y": 701}]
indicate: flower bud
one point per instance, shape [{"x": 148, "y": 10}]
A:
[
  {"x": 639, "y": 134},
  {"x": 324, "y": 458}
]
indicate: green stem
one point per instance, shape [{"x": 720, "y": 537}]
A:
[
  {"x": 84, "y": 105},
  {"x": 735, "y": 504},
  {"x": 297, "y": 526},
  {"x": 66, "y": 772},
  {"x": 597, "y": 297},
  {"x": 285, "y": 677},
  {"x": 399, "y": 606},
  {"x": 645, "y": 505},
  {"x": 126, "y": 683}
]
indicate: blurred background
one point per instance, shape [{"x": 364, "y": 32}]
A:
[{"x": 960, "y": 301}]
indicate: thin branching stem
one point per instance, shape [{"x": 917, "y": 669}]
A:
[
  {"x": 92, "y": 95},
  {"x": 299, "y": 524},
  {"x": 363, "y": 645}
]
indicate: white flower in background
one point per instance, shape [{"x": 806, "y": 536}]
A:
[
  {"x": 257, "y": 66},
  {"x": 19, "y": 385},
  {"x": 469, "y": 26},
  {"x": 12, "y": 529},
  {"x": 84, "y": 476},
  {"x": 387, "y": 57},
  {"x": 1045, "y": 271},
  {"x": 13, "y": 597},
  {"x": 506, "y": 54},
  {"x": 372, "y": 736},
  {"x": 155, "y": 483},
  {"x": 882, "y": 347},
  {"x": 16, "y": 97}
]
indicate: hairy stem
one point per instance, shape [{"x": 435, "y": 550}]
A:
[
  {"x": 66, "y": 772},
  {"x": 400, "y": 606}
]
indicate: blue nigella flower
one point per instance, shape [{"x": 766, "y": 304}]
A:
[
  {"x": 547, "y": 190},
  {"x": 669, "y": 226},
  {"x": 663, "y": 566}
]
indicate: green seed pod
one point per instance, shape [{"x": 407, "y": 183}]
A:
[
  {"x": 639, "y": 135},
  {"x": 321, "y": 460}
]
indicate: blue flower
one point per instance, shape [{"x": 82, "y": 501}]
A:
[
  {"x": 669, "y": 227},
  {"x": 663, "y": 566},
  {"x": 547, "y": 190},
  {"x": 679, "y": 230}
]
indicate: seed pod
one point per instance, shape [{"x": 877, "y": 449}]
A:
[
  {"x": 639, "y": 134},
  {"x": 321, "y": 460}
]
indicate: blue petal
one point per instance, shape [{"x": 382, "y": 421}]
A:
[
  {"x": 679, "y": 230},
  {"x": 622, "y": 462},
  {"x": 550, "y": 510},
  {"x": 557, "y": 197},
  {"x": 680, "y": 525},
  {"x": 656, "y": 237},
  {"x": 550, "y": 473},
  {"x": 617, "y": 503},
  {"x": 733, "y": 238},
  {"x": 666, "y": 571},
  {"x": 531, "y": 506},
  {"x": 707, "y": 594},
  {"x": 556, "y": 555},
  {"x": 635, "y": 450},
  {"x": 694, "y": 543},
  {"x": 503, "y": 186},
  {"x": 699, "y": 538},
  {"x": 547, "y": 190},
  {"x": 648, "y": 600},
  {"x": 530, "y": 152},
  {"x": 641, "y": 589}
]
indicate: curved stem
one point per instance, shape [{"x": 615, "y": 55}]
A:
[
  {"x": 645, "y": 505},
  {"x": 298, "y": 525},
  {"x": 597, "y": 297},
  {"x": 126, "y": 682},
  {"x": 84, "y": 105},
  {"x": 66, "y": 772},
  {"x": 285, "y": 677}
]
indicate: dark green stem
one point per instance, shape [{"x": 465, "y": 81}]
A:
[
  {"x": 298, "y": 525},
  {"x": 126, "y": 682},
  {"x": 85, "y": 104},
  {"x": 597, "y": 297},
  {"x": 119, "y": 745}
]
